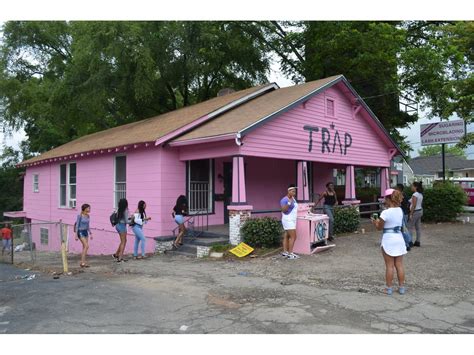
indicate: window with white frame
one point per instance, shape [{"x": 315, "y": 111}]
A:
[
  {"x": 67, "y": 185},
  {"x": 44, "y": 236},
  {"x": 120, "y": 186},
  {"x": 35, "y": 182},
  {"x": 200, "y": 180}
]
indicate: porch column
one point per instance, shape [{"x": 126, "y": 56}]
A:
[
  {"x": 302, "y": 193},
  {"x": 384, "y": 180},
  {"x": 239, "y": 195},
  {"x": 239, "y": 210},
  {"x": 350, "y": 196}
]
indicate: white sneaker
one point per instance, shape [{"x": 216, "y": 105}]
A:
[
  {"x": 284, "y": 254},
  {"x": 293, "y": 256}
]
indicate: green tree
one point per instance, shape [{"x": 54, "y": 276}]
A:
[
  {"x": 62, "y": 80},
  {"x": 431, "y": 150},
  {"x": 388, "y": 63},
  {"x": 11, "y": 182}
]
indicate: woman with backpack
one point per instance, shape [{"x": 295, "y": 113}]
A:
[
  {"x": 180, "y": 210},
  {"x": 138, "y": 220},
  {"x": 121, "y": 227},
  {"x": 83, "y": 231}
]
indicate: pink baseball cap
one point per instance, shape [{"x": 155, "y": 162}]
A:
[{"x": 388, "y": 192}]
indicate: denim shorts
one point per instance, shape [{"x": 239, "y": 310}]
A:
[
  {"x": 121, "y": 228},
  {"x": 83, "y": 233},
  {"x": 179, "y": 219}
]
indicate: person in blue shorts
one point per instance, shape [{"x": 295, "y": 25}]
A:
[{"x": 180, "y": 210}]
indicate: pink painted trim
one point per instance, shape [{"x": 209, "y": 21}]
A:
[
  {"x": 15, "y": 214},
  {"x": 384, "y": 180},
  {"x": 203, "y": 140},
  {"x": 350, "y": 182},
  {"x": 181, "y": 130},
  {"x": 334, "y": 101},
  {"x": 239, "y": 194},
  {"x": 302, "y": 176},
  {"x": 240, "y": 208}
]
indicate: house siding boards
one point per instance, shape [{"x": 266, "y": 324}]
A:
[
  {"x": 284, "y": 137},
  {"x": 95, "y": 186}
]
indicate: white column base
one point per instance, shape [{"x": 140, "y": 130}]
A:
[{"x": 237, "y": 217}]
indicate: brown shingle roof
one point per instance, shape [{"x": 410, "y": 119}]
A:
[
  {"x": 147, "y": 130},
  {"x": 251, "y": 112}
]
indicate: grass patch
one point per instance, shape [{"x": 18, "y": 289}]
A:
[{"x": 220, "y": 248}]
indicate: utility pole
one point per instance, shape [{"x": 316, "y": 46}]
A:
[{"x": 443, "y": 159}]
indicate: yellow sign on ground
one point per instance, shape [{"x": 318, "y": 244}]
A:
[{"x": 241, "y": 250}]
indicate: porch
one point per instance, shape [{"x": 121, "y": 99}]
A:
[{"x": 229, "y": 190}]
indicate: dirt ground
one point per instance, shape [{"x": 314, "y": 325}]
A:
[{"x": 337, "y": 291}]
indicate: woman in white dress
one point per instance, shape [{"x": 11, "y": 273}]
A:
[
  {"x": 289, "y": 212},
  {"x": 393, "y": 245}
]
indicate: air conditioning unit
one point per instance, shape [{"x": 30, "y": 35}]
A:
[{"x": 72, "y": 203}]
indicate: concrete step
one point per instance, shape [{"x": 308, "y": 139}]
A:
[{"x": 205, "y": 241}]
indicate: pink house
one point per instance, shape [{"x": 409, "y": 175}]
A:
[{"x": 233, "y": 156}]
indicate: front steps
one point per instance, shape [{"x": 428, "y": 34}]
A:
[{"x": 191, "y": 244}]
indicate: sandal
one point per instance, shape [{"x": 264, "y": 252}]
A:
[
  {"x": 138, "y": 257},
  {"x": 389, "y": 291},
  {"x": 84, "y": 265},
  {"x": 115, "y": 256},
  {"x": 401, "y": 290}
]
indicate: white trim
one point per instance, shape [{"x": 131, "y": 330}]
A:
[
  {"x": 68, "y": 185},
  {"x": 115, "y": 178},
  {"x": 36, "y": 183}
]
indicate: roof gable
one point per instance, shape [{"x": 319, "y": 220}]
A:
[{"x": 250, "y": 116}]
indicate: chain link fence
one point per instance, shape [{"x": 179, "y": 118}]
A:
[{"x": 52, "y": 246}]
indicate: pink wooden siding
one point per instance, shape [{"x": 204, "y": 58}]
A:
[
  {"x": 95, "y": 186},
  {"x": 209, "y": 150},
  {"x": 284, "y": 136},
  {"x": 267, "y": 181},
  {"x": 322, "y": 174}
]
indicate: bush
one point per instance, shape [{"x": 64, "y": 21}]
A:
[
  {"x": 443, "y": 202},
  {"x": 346, "y": 219},
  {"x": 262, "y": 232}
]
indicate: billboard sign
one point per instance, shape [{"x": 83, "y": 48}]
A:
[{"x": 442, "y": 132}]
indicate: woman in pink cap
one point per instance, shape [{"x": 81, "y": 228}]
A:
[{"x": 393, "y": 244}]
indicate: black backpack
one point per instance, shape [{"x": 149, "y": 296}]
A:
[{"x": 114, "y": 219}]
